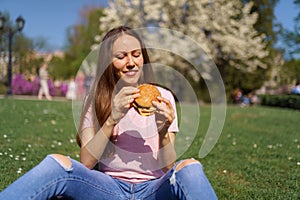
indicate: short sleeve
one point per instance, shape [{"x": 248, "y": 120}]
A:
[{"x": 168, "y": 95}]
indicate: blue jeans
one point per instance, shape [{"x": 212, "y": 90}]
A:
[{"x": 50, "y": 178}]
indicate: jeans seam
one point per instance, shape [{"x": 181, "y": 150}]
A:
[
  {"x": 180, "y": 185},
  {"x": 74, "y": 178},
  {"x": 182, "y": 188},
  {"x": 155, "y": 190}
]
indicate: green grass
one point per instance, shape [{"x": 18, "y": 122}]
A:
[
  {"x": 29, "y": 130},
  {"x": 256, "y": 157}
]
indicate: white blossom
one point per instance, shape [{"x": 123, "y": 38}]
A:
[{"x": 218, "y": 25}]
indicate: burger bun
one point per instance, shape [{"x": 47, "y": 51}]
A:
[{"x": 143, "y": 103}]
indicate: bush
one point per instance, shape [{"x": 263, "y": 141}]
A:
[
  {"x": 3, "y": 89},
  {"x": 284, "y": 101},
  {"x": 21, "y": 86}
]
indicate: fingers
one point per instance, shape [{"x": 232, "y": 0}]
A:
[
  {"x": 128, "y": 91},
  {"x": 165, "y": 108},
  {"x": 122, "y": 101},
  {"x": 128, "y": 100},
  {"x": 125, "y": 97}
]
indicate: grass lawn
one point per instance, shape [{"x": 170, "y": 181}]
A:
[{"x": 257, "y": 155}]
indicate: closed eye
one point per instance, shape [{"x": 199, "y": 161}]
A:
[
  {"x": 137, "y": 53},
  {"x": 120, "y": 56}
]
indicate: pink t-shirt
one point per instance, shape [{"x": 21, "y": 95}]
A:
[{"x": 135, "y": 145}]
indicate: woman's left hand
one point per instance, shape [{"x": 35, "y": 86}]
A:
[{"x": 164, "y": 114}]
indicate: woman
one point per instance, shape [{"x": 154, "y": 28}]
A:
[{"x": 135, "y": 158}]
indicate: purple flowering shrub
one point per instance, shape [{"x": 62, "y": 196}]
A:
[
  {"x": 35, "y": 86},
  {"x": 64, "y": 89},
  {"x": 21, "y": 86},
  {"x": 51, "y": 87}
]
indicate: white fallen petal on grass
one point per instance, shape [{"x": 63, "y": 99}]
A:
[
  {"x": 19, "y": 171},
  {"x": 72, "y": 140}
]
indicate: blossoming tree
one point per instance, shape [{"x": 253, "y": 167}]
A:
[{"x": 223, "y": 28}]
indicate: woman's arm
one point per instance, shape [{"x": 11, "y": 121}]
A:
[
  {"x": 93, "y": 145},
  {"x": 165, "y": 115},
  {"x": 167, "y": 154}
]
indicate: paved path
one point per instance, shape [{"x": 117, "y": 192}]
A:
[{"x": 31, "y": 97}]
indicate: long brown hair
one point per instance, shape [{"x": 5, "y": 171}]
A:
[{"x": 106, "y": 77}]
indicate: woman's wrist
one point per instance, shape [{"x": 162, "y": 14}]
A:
[
  {"x": 110, "y": 121},
  {"x": 163, "y": 133},
  {"x": 164, "y": 139}
]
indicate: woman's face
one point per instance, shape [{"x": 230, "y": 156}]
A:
[{"x": 128, "y": 59}]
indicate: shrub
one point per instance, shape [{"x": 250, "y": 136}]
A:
[
  {"x": 284, "y": 101},
  {"x": 3, "y": 89},
  {"x": 21, "y": 86}
]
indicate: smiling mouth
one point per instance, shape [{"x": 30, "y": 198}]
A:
[{"x": 131, "y": 72}]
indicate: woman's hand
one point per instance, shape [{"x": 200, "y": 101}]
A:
[
  {"x": 122, "y": 101},
  {"x": 164, "y": 114}
]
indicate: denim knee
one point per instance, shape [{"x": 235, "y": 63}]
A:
[
  {"x": 64, "y": 161},
  {"x": 187, "y": 170},
  {"x": 190, "y": 182}
]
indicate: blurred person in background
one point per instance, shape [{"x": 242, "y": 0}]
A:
[
  {"x": 296, "y": 89},
  {"x": 71, "y": 92},
  {"x": 44, "y": 88}
]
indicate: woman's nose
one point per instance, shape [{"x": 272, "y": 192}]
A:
[{"x": 130, "y": 61}]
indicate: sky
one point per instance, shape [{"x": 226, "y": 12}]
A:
[
  {"x": 50, "y": 19},
  {"x": 285, "y": 13}
]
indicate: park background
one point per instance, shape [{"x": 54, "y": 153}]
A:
[{"x": 257, "y": 155}]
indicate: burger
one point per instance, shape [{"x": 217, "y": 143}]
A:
[{"x": 143, "y": 103}]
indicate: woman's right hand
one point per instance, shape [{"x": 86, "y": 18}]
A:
[{"x": 121, "y": 102}]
